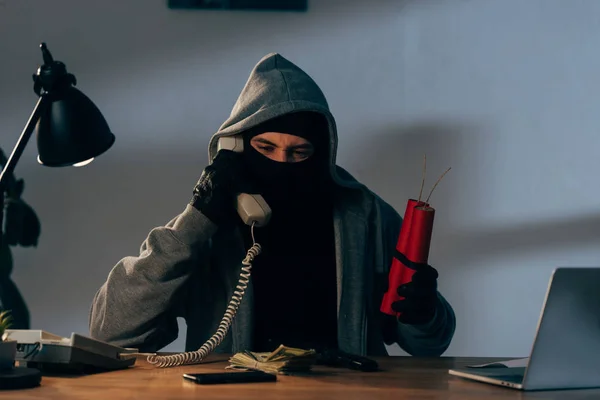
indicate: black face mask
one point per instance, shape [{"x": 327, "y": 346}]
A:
[{"x": 288, "y": 185}]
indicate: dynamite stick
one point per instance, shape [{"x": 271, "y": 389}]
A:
[{"x": 412, "y": 248}]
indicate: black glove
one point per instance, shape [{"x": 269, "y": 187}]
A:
[
  {"x": 216, "y": 191},
  {"x": 420, "y": 297}
]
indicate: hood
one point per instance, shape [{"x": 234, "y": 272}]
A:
[{"x": 276, "y": 87}]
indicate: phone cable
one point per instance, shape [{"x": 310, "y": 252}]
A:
[{"x": 194, "y": 357}]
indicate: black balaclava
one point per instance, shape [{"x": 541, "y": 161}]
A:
[{"x": 286, "y": 183}]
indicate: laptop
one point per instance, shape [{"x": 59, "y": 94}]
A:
[{"x": 566, "y": 349}]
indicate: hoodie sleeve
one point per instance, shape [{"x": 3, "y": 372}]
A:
[
  {"x": 433, "y": 338},
  {"x": 137, "y": 305}
]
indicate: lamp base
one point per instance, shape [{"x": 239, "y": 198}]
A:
[{"x": 19, "y": 378}]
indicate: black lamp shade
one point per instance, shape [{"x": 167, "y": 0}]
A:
[{"x": 71, "y": 130}]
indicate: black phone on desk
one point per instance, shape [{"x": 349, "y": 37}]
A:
[
  {"x": 230, "y": 377},
  {"x": 341, "y": 359}
]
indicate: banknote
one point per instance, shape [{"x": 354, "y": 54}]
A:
[{"x": 282, "y": 360}]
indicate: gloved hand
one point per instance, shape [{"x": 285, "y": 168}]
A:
[
  {"x": 420, "y": 297},
  {"x": 216, "y": 191}
]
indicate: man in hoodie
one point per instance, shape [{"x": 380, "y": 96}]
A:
[{"x": 326, "y": 251}]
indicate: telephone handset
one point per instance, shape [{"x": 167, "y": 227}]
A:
[
  {"x": 251, "y": 208},
  {"x": 254, "y": 211}
]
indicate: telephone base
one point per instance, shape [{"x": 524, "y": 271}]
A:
[{"x": 75, "y": 355}]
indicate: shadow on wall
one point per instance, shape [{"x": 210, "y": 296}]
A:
[
  {"x": 393, "y": 165},
  {"x": 392, "y": 168},
  {"x": 536, "y": 237}
]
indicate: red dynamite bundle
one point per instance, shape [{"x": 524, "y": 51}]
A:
[{"x": 412, "y": 247}]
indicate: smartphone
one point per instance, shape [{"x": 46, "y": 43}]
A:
[{"x": 230, "y": 377}]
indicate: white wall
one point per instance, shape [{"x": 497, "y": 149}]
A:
[{"x": 504, "y": 92}]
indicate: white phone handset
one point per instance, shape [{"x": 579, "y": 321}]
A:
[
  {"x": 233, "y": 143},
  {"x": 252, "y": 208}
]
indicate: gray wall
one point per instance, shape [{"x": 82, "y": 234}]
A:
[{"x": 504, "y": 92}]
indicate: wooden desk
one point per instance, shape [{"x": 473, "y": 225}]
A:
[{"x": 401, "y": 378}]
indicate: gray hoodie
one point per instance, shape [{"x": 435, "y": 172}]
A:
[{"x": 189, "y": 269}]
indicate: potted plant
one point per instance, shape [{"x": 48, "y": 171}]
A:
[{"x": 8, "y": 347}]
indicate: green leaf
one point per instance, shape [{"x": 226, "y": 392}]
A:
[{"x": 5, "y": 321}]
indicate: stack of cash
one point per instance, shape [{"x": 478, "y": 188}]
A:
[{"x": 283, "y": 360}]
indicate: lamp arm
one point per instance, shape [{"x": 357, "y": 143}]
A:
[{"x": 14, "y": 157}]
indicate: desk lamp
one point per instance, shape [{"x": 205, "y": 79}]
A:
[{"x": 70, "y": 131}]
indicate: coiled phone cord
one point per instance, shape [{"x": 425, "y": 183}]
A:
[{"x": 194, "y": 357}]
